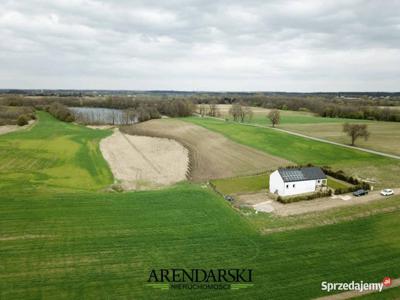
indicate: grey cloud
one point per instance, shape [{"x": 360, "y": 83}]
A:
[{"x": 201, "y": 45}]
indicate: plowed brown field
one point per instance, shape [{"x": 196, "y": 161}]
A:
[{"x": 211, "y": 154}]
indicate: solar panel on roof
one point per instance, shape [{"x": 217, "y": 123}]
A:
[
  {"x": 292, "y": 175},
  {"x": 307, "y": 173}
]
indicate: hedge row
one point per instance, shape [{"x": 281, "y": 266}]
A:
[
  {"x": 341, "y": 176},
  {"x": 60, "y": 111},
  {"x": 362, "y": 185},
  {"x": 286, "y": 200}
]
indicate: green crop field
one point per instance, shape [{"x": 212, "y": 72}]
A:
[
  {"x": 53, "y": 155},
  {"x": 63, "y": 237},
  {"x": 303, "y": 151},
  {"x": 98, "y": 246},
  {"x": 384, "y": 136}
]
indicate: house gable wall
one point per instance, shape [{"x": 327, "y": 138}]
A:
[{"x": 276, "y": 184}]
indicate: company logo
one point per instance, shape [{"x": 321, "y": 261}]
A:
[
  {"x": 360, "y": 286},
  {"x": 192, "y": 279},
  {"x": 387, "y": 281}
]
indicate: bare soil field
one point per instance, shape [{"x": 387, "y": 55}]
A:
[
  {"x": 211, "y": 154},
  {"x": 10, "y": 128},
  {"x": 140, "y": 162}
]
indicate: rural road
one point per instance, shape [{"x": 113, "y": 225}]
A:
[
  {"x": 317, "y": 139},
  {"x": 356, "y": 294}
]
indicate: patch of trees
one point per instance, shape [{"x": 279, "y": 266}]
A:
[
  {"x": 241, "y": 112},
  {"x": 60, "y": 111},
  {"x": 176, "y": 108},
  {"x": 147, "y": 112},
  {"x": 9, "y": 115},
  {"x": 142, "y": 109}
]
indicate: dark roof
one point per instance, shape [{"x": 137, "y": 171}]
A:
[{"x": 301, "y": 174}]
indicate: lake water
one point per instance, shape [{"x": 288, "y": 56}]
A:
[{"x": 98, "y": 115}]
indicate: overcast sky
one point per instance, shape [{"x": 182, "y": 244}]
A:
[{"x": 201, "y": 45}]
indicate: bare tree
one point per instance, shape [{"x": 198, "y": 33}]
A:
[
  {"x": 236, "y": 111},
  {"x": 354, "y": 131},
  {"x": 203, "y": 109},
  {"x": 213, "y": 109},
  {"x": 113, "y": 116},
  {"x": 248, "y": 113},
  {"x": 274, "y": 116}
]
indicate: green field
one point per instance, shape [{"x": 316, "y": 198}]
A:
[
  {"x": 53, "y": 155},
  {"x": 242, "y": 184},
  {"x": 98, "y": 246},
  {"x": 385, "y": 136},
  {"x": 64, "y": 238},
  {"x": 303, "y": 151}
]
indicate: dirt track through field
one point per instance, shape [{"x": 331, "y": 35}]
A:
[
  {"x": 140, "y": 162},
  {"x": 211, "y": 154}
]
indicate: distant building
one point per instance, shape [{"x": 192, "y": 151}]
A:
[{"x": 293, "y": 181}]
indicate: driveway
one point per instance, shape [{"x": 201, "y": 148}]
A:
[{"x": 262, "y": 203}]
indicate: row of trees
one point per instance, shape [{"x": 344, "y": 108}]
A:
[
  {"x": 322, "y": 105},
  {"x": 60, "y": 111},
  {"x": 240, "y": 112},
  {"x": 210, "y": 109}
]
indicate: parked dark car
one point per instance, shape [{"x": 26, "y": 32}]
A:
[
  {"x": 360, "y": 192},
  {"x": 229, "y": 198}
]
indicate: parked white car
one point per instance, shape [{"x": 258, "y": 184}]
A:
[{"x": 387, "y": 192}]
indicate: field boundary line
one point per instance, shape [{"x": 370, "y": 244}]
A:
[{"x": 314, "y": 138}]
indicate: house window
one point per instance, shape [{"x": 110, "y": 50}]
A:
[
  {"x": 287, "y": 186},
  {"x": 294, "y": 185}
]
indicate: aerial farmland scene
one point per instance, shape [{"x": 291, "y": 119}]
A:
[{"x": 199, "y": 149}]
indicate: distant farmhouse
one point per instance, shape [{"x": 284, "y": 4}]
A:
[{"x": 293, "y": 181}]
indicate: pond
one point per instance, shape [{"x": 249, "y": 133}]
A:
[{"x": 100, "y": 116}]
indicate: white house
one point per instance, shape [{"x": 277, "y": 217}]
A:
[{"x": 293, "y": 181}]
